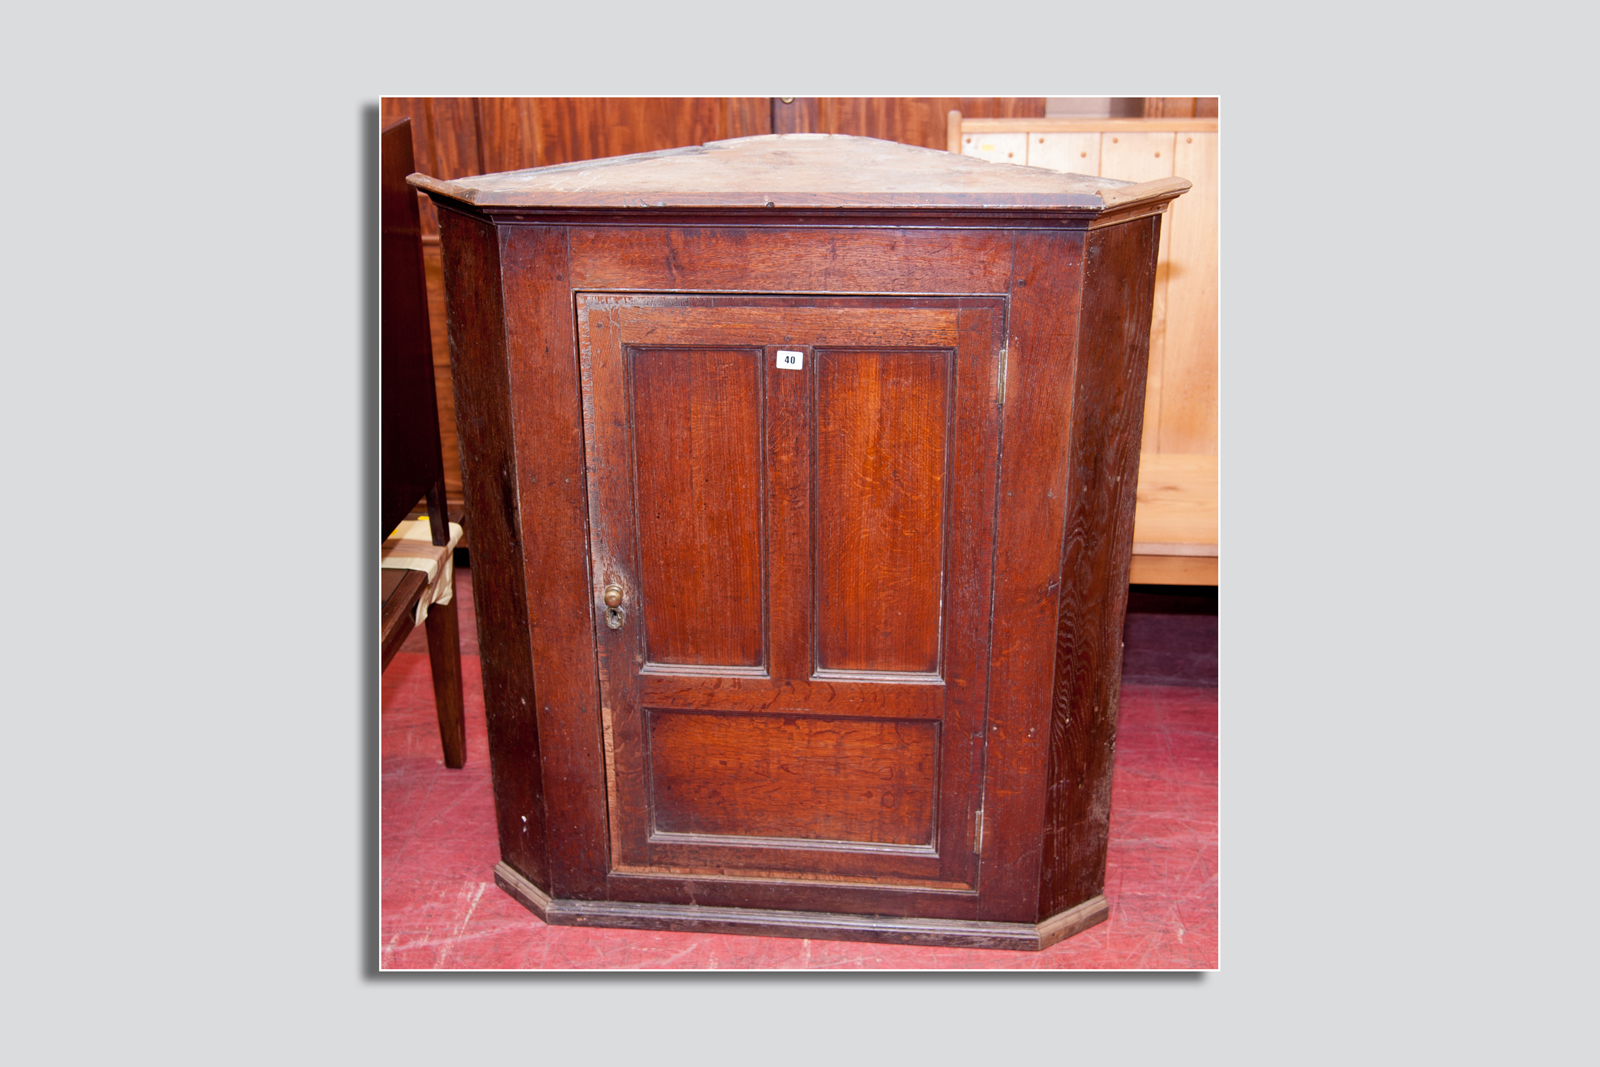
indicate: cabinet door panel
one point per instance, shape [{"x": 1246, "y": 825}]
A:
[
  {"x": 882, "y": 458},
  {"x": 794, "y": 684},
  {"x": 697, "y": 462},
  {"x": 776, "y": 776}
]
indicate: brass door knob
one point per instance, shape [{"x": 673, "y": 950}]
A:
[{"x": 613, "y": 596}]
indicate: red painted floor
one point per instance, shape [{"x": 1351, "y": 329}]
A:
[{"x": 440, "y": 907}]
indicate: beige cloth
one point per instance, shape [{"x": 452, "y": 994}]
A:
[{"x": 411, "y": 548}]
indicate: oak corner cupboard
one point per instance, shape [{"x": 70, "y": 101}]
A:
[{"x": 800, "y": 471}]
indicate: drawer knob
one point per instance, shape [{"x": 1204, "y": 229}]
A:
[{"x": 613, "y": 596}]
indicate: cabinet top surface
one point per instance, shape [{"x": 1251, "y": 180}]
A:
[{"x": 805, "y": 170}]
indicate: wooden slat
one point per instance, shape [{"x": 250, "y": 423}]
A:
[
  {"x": 1177, "y": 505},
  {"x": 1175, "y": 524},
  {"x": 1189, "y": 368},
  {"x": 996, "y": 147},
  {"x": 1041, "y": 125},
  {"x": 1075, "y": 153},
  {"x": 401, "y": 591},
  {"x": 1173, "y": 570}
]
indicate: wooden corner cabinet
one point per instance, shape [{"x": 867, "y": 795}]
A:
[{"x": 800, "y": 471}]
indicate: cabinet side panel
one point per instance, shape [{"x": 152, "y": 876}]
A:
[
  {"x": 1108, "y": 400},
  {"x": 475, "y": 318},
  {"x": 548, "y": 424},
  {"x": 1042, "y": 342}
]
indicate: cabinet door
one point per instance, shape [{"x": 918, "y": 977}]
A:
[{"x": 794, "y": 499}]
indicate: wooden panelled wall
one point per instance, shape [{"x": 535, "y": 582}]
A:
[
  {"x": 1181, "y": 395},
  {"x": 460, "y": 136}
]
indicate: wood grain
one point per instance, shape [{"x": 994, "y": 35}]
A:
[
  {"x": 582, "y": 128},
  {"x": 882, "y": 454},
  {"x": 452, "y": 125},
  {"x": 1108, "y": 386},
  {"x": 545, "y": 476},
  {"x": 698, "y": 470},
  {"x": 485, "y": 422},
  {"x": 792, "y": 172},
  {"x": 1043, "y": 339},
  {"x": 792, "y": 260},
  {"x": 748, "y": 116},
  {"x": 800, "y": 777},
  {"x": 726, "y": 323},
  {"x": 510, "y": 132}
]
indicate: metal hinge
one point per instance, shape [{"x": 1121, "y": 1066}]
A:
[
  {"x": 977, "y": 834},
  {"x": 1005, "y": 359}
]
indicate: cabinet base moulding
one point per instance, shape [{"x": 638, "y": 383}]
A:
[{"x": 835, "y": 926}]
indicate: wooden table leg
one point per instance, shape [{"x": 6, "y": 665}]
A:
[{"x": 444, "y": 655}]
